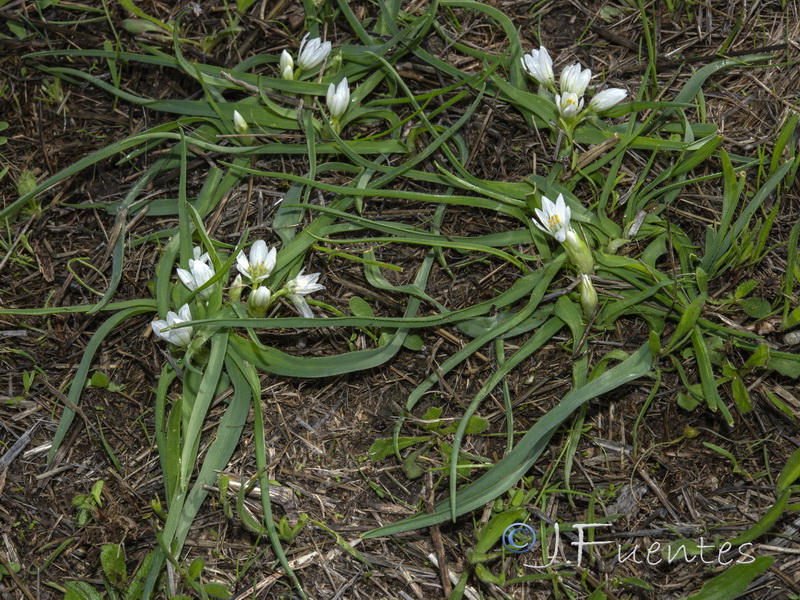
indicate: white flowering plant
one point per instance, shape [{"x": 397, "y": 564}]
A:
[{"x": 509, "y": 276}]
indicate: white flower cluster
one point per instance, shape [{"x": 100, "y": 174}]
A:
[
  {"x": 256, "y": 267},
  {"x": 572, "y": 85},
  {"x": 312, "y": 53}
]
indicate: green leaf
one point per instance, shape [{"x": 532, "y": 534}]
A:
[
  {"x": 726, "y": 454},
  {"x": 745, "y": 288},
  {"x": 655, "y": 343},
  {"x": 759, "y": 358},
  {"x": 383, "y": 447},
  {"x": 707, "y": 381},
  {"x": 360, "y": 308},
  {"x": 635, "y": 581},
  {"x": 734, "y": 581},
  {"x": 790, "y": 472},
  {"x": 688, "y": 401},
  {"x": 83, "y": 368},
  {"x": 757, "y": 308},
  {"x": 702, "y": 279},
  {"x": 112, "y": 560},
  {"x": 687, "y": 323},
  {"x": 765, "y": 523},
  {"x": 740, "y": 395},
  {"x": 80, "y": 590},
  {"x": 413, "y": 343},
  {"x": 785, "y": 364},
  {"x": 493, "y": 530},
  {"x": 195, "y": 568},
  {"x": 99, "y": 380},
  {"x": 217, "y": 590}
]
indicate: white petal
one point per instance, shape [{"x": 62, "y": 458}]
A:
[
  {"x": 258, "y": 252},
  {"x": 271, "y": 260},
  {"x": 201, "y": 271},
  {"x": 302, "y": 306},
  {"x": 187, "y": 279},
  {"x": 182, "y": 336},
  {"x": 185, "y": 313},
  {"x": 157, "y": 326},
  {"x": 563, "y": 211},
  {"x": 198, "y": 253},
  {"x": 243, "y": 264}
]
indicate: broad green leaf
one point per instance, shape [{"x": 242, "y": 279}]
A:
[
  {"x": 383, "y": 447},
  {"x": 745, "y": 288},
  {"x": 360, "y": 308},
  {"x": 734, "y": 581},
  {"x": 757, "y": 308},
  {"x": 112, "y": 559},
  {"x": 785, "y": 364}
]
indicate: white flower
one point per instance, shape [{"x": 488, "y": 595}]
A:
[
  {"x": 338, "y": 98},
  {"x": 197, "y": 275},
  {"x": 301, "y": 286},
  {"x": 554, "y": 217},
  {"x": 239, "y": 124},
  {"x": 569, "y": 105},
  {"x": 606, "y": 99},
  {"x": 262, "y": 261},
  {"x": 588, "y": 295},
  {"x": 574, "y": 80},
  {"x": 539, "y": 65},
  {"x": 287, "y": 65},
  {"x": 180, "y": 337},
  {"x": 312, "y": 52}
]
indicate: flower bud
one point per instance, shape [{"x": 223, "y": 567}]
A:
[
  {"x": 258, "y": 301},
  {"x": 338, "y": 99},
  {"x": 569, "y": 105},
  {"x": 574, "y": 80},
  {"x": 239, "y": 124},
  {"x": 235, "y": 293},
  {"x": 286, "y": 65},
  {"x": 588, "y": 296},
  {"x": 606, "y": 99},
  {"x": 539, "y": 65}
]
